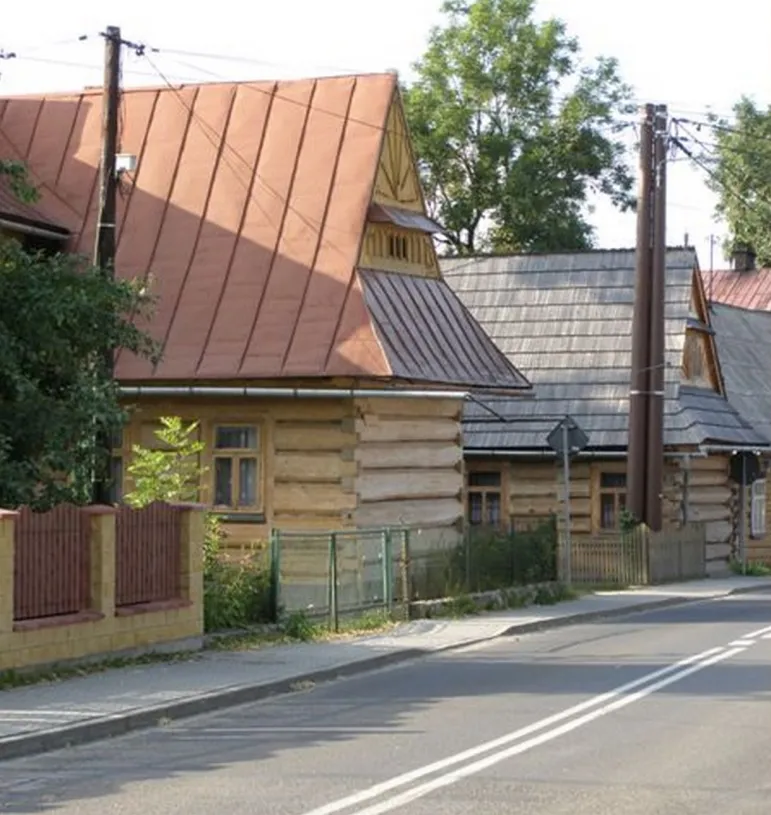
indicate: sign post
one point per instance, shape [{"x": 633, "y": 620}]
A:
[{"x": 566, "y": 439}]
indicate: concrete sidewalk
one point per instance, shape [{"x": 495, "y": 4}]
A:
[{"x": 46, "y": 717}]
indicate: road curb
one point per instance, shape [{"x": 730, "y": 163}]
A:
[{"x": 105, "y": 727}]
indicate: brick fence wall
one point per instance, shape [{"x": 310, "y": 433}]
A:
[{"x": 85, "y": 581}]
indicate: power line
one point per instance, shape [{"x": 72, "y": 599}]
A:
[
  {"x": 723, "y": 128},
  {"x": 715, "y": 178},
  {"x": 92, "y": 67}
]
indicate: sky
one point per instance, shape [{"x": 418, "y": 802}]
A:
[{"x": 689, "y": 54}]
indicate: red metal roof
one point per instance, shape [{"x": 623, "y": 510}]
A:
[
  {"x": 246, "y": 213},
  {"x": 750, "y": 290}
]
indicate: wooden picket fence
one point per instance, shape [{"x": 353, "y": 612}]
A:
[{"x": 640, "y": 557}]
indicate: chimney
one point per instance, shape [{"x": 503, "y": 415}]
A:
[{"x": 743, "y": 258}]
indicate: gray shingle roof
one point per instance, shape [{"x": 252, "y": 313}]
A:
[
  {"x": 744, "y": 344},
  {"x": 565, "y": 321}
]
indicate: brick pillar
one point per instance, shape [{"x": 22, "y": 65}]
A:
[
  {"x": 192, "y": 528},
  {"x": 102, "y": 558},
  {"x": 7, "y": 527}
]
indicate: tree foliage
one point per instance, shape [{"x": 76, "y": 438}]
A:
[
  {"x": 171, "y": 473},
  {"x": 18, "y": 180},
  {"x": 513, "y": 132},
  {"x": 57, "y": 316},
  {"x": 741, "y": 177}
]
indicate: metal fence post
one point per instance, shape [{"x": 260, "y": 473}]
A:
[
  {"x": 334, "y": 616},
  {"x": 405, "y": 572},
  {"x": 388, "y": 597},
  {"x": 467, "y": 535},
  {"x": 275, "y": 572}
]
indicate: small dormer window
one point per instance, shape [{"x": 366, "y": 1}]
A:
[{"x": 397, "y": 247}]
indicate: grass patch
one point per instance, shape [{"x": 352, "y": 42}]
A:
[
  {"x": 465, "y": 605},
  {"x": 752, "y": 569}
]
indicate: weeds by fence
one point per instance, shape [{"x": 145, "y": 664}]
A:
[
  {"x": 345, "y": 572},
  {"x": 485, "y": 559}
]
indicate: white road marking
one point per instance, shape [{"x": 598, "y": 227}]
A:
[
  {"x": 478, "y": 766},
  {"x": 766, "y": 637},
  {"x": 741, "y": 643},
  {"x": 414, "y": 775},
  {"x": 755, "y": 634}
]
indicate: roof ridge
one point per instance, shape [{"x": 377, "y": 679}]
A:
[
  {"x": 560, "y": 252},
  {"x": 97, "y": 90}
]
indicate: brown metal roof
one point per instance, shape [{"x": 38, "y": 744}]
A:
[
  {"x": 16, "y": 211},
  {"x": 742, "y": 289},
  {"x": 246, "y": 213},
  {"x": 451, "y": 347}
]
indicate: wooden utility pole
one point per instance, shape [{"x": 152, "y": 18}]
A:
[
  {"x": 104, "y": 248},
  {"x": 641, "y": 321},
  {"x": 655, "y": 459}
]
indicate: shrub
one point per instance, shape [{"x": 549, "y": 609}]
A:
[{"x": 492, "y": 558}]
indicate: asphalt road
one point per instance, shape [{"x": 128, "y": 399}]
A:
[{"x": 657, "y": 713}]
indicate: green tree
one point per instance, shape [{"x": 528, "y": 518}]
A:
[
  {"x": 741, "y": 177},
  {"x": 18, "y": 180},
  {"x": 512, "y": 132},
  {"x": 171, "y": 473},
  {"x": 57, "y": 314}
]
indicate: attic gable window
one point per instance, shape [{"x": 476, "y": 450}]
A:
[{"x": 397, "y": 247}]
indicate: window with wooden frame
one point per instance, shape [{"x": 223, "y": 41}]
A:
[
  {"x": 236, "y": 470},
  {"x": 758, "y": 509},
  {"x": 610, "y": 498},
  {"x": 484, "y": 496}
]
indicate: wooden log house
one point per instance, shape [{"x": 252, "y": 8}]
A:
[
  {"x": 744, "y": 342},
  {"x": 303, "y": 318},
  {"x": 565, "y": 321}
]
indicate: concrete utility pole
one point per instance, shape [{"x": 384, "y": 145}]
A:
[
  {"x": 641, "y": 321},
  {"x": 655, "y": 460},
  {"x": 104, "y": 248}
]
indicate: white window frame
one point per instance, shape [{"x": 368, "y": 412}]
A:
[{"x": 758, "y": 508}]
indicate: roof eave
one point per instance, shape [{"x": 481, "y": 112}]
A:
[{"x": 37, "y": 228}]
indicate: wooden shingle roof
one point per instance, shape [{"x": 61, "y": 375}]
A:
[
  {"x": 744, "y": 343},
  {"x": 565, "y": 321}
]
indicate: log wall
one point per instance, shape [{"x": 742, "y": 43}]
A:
[{"x": 410, "y": 466}]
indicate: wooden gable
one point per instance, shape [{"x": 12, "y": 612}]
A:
[
  {"x": 398, "y": 183},
  {"x": 391, "y": 247},
  {"x": 700, "y": 365}
]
